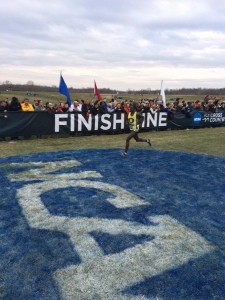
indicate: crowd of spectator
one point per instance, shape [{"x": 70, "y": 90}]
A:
[{"x": 86, "y": 107}]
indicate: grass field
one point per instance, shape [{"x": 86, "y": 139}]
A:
[
  {"x": 55, "y": 97},
  {"x": 204, "y": 141}
]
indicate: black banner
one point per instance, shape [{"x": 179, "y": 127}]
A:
[
  {"x": 13, "y": 124},
  {"x": 42, "y": 123},
  {"x": 197, "y": 119}
]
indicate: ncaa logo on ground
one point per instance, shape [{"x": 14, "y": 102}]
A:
[{"x": 117, "y": 245}]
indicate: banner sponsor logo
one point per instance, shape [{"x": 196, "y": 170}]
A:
[{"x": 197, "y": 118}]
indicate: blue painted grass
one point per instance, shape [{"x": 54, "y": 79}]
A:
[{"x": 188, "y": 187}]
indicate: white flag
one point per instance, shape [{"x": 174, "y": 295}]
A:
[{"x": 162, "y": 93}]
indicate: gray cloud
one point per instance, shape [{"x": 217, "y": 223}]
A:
[{"x": 180, "y": 41}]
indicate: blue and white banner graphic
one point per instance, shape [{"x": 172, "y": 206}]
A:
[{"x": 88, "y": 224}]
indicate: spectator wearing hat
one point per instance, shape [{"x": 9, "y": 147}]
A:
[{"x": 51, "y": 109}]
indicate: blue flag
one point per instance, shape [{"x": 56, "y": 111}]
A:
[{"x": 64, "y": 90}]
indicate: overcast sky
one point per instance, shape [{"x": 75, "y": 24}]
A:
[{"x": 122, "y": 44}]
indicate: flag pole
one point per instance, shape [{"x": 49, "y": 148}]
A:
[{"x": 162, "y": 93}]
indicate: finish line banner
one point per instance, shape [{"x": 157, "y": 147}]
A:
[
  {"x": 42, "y": 123},
  {"x": 13, "y": 124},
  {"x": 104, "y": 123}
]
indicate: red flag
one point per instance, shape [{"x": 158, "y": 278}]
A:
[{"x": 96, "y": 92}]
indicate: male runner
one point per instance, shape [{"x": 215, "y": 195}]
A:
[{"x": 135, "y": 119}]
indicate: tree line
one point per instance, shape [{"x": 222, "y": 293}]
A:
[{"x": 31, "y": 87}]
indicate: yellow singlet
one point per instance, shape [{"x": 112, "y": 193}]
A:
[{"x": 132, "y": 120}]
